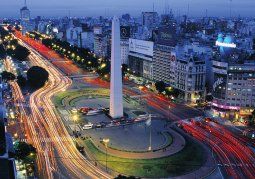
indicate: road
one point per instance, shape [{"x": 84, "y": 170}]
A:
[
  {"x": 155, "y": 101},
  {"x": 235, "y": 156},
  {"x": 42, "y": 122},
  {"x": 171, "y": 111}
]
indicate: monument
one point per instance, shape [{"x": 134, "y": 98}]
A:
[{"x": 116, "y": 96}]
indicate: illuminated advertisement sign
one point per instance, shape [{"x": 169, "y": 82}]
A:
[
  {"x": 222, "y": 44},
  {"x": 219, "y": 86},
  {"x": 226, "y": 107},
  {"x": 218, "y": 82},
  {"x": 125, "y": 32},
  {"x": 173, "y": 57},
  {"x": 226, "y": 44},
  {"x": 141, "y": 46}
]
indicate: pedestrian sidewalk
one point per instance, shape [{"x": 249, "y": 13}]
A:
[{"x": 176, "y": 146}]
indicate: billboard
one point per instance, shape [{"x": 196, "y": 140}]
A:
[
  {"x": 167, "y": 36},
  {"x": 226, "y": 44},
  {"x": 124, "y": 32},
  {"x": 141, "y": 46},
  {"x": 219, "y": 85}
]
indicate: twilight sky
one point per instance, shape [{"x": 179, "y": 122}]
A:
[{"x": 55, "y": 8}]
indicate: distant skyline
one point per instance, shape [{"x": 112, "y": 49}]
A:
[{"x": 82, "y": 8}]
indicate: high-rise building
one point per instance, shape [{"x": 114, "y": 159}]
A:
[
  {"x": 101, "y": 45},
  {"x": 87, "y": 40},
  {"x": 116, "y": 95},
  {"x": 164, "y": 56},
  {"x": 150, "y": 19},
  {"x": 25, "y": 18},
  {"x": 124, "y": 48}
]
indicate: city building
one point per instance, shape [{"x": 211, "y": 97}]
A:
[
  {"x": 164, "y": 56},
  {"x": 87, "y": 40},
  {"x": 124, "y": 43},
  {"x": 233, "y": 88},
  {"x": 101, "y": 45},
  {"x": 124, "y": 48},
  {"x": 25, "y": 18},
  {"x": 190, "y": 74},
  {"x": 150, "y": 19},
  {"x": 140, "y": 57},
  {"x": 73, "y": 35},
  {"x": 116, "y": 94}
]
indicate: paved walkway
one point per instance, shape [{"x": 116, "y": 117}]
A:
[{"x": 177, "y": 145}]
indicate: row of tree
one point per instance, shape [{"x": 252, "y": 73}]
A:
[
  {"x": 161, "y": 87},
  {"x": 26, "y": 154},
  {"x": 36, "y": 77},
  {"x": 82, "y": 56},
  {"x": 10, "y": 46}
]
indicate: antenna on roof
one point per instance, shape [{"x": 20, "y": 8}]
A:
[
  {"x": 230, "y": 8},
  {"x": 188, "y": 10},
  {"x": 25, "y": 3}
]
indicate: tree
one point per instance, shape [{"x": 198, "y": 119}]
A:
[
  {"x": 172, "y": 92},
  {"x": 21, "y": 80},
  {"x": 2, "y": 51},
  {"x": 37, "y": 76},
  {"x": 124, "y": 68},
  {"x": 21, "y": 53},
  {"x": 8, "y": 76},
  {"x": 252, "y": 118},
  {"x": 23, "y": 150},
  {"x": 160, "y": 86}
]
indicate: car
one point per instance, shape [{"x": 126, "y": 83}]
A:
[
  {"x": 93, "y": 112},
  {"x": 98, "y": 126},
  {"x": 88, "y": 126},
  {"x": 74, "y": 110}
]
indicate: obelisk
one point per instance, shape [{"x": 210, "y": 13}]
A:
[{"x": 116, "y": 96}]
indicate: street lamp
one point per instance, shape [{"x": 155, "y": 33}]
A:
[
  {"x": 75, "y": 118},
  {"x": 106, "y": 141}
]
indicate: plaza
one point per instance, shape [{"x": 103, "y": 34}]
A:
[{"x": 129, "y": 140}]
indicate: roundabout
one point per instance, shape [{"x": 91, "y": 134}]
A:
[{"x": 127, "y": 151}]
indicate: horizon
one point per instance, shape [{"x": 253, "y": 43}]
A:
[{"x": 79, "y": 8}]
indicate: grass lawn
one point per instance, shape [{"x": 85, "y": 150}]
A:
[
  {"x": 187, "y": 160},
  {"x": 68, "y": 96}
]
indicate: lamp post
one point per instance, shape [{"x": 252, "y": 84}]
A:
[
  {"x": 75, "y": 118},
  {"x": 106, "y": 141},
  {"x": 140, "y": 88}
]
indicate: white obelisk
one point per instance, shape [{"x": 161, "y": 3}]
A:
[{"x": 116, "y": 97}]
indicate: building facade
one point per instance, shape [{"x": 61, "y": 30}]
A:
[
  {"x": 190, "y": 74},
  {"x": 25, "y": 19},
  {"x": 124, "y": 48},
  {"x": 164, "y": 59},
  {"x": 101, "y": 45},
  {"x": 140, "y": 58},
  {"x": 233, "y": 89}
]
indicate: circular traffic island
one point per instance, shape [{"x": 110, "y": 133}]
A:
[{"x": 141, "y": 149}]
